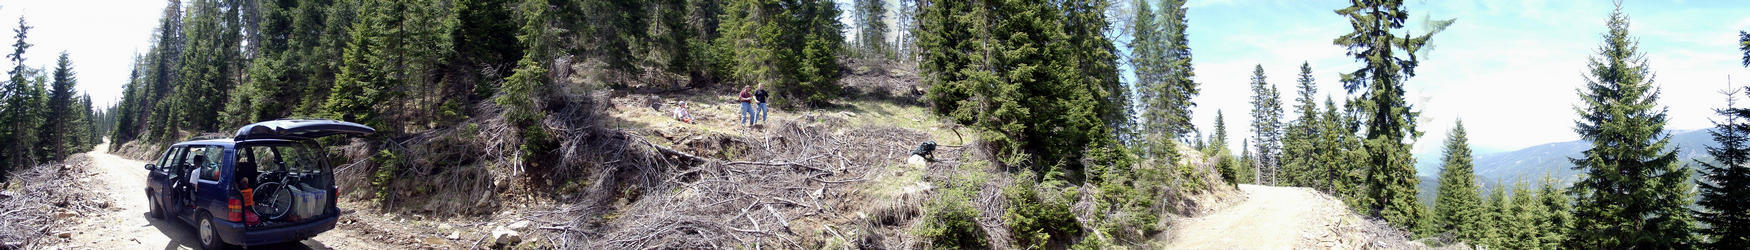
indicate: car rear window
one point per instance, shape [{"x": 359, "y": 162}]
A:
[{"x": 284, "y": 158}]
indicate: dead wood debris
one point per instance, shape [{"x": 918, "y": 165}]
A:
[
  {"x": 792, "y": 183},
  {"x": 45, "y": 200}
]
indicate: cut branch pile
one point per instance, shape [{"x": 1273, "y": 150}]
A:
[
  {"x": 38, "y": 201},
  {"x": 786, "y": 193}
]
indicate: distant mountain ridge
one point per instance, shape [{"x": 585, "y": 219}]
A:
[{"x": 1531, "y": 164}]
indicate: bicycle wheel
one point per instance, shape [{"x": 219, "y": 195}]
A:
[{"x": 273, "y": 200}]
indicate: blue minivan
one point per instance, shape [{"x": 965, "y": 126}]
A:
[{"x": 270, "y": 183}]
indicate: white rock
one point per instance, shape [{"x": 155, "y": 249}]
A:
[
  {"x": 505, "y": 237},
  {"x": 519, "y": 226},
  {"x": 917, "y": 161},
  {"x": 454, "y": 235}
]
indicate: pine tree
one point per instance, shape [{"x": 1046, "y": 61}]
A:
[
  {"x": 359, "y": 86},
  {"x": 1332, "y": 149},
  {"x": 871, "y": 23},
  {"x": 206, "y": 70},
  {"x": 1744, "y": 45},
  {"x": 1457, "y": 206},
  {"x": 522, "y": 91},
  {"x": 1218, "y": 147},
  {"x": 85, "y": 126},
  {"x": 1299, "y": 164},
  {"x": 1496, "y": 216},
  {"x": 1146, "y": 58},
  {"x": 1523, "y": 221},
  {"x": 1559, "y": 222},
  {"x": 1355, "y": 160},
  {"x": 1218, "y": 140},
  {"x": 793, "y": 47},
  {"x": 1391, "y": 121},
  {"x": 159, "y": 105},
  {"x": 1161, "y": 56},
  {"x": 59, "y": 114},
  {"x": 17, "y": 131},
  {"x": 1634, "y": 190},
  {"x": 1266, "y": 127},
  {"x": 1246, "y": 170},
  {"x": 1726, "y": 180}
]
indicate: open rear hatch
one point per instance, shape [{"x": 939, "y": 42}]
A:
[{"x": 301, "y": 129}]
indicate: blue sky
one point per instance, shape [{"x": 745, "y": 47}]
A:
[{"x": 1509, "y": 69}]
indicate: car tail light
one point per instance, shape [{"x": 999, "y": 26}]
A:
[
  {"x": 236, "y": 207},
  {"x": 250, "y": 218}
]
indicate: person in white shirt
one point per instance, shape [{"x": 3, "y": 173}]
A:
[{"x": 682, "y": 114}]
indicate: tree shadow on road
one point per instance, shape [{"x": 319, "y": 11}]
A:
[{"x": 183, "y": 236}]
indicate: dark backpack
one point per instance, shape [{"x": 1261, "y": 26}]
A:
[{"x": 925, "y": 149}]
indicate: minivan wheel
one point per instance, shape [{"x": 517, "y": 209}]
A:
[
  {"x": 152, "y": 207},
  {"x": 209, "y": 236}
]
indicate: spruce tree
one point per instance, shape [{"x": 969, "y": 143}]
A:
[
  {"x": 1725, "y": 180},
  {"x": 1331, "y": 149},
  {"x": 60, "y": 114},
  {"x": 1497, "y": 216},
  {"x": 1246, "y": 171},
  {"x": 521, "y": 93},
  {"x": 1266, "y": 127},
  {"x": 1634, "y": 189},
  {"x": 791, "y": 46},
  {"x": 159, "y": 106},
  {"x": 1218, "y": 147},
  {"x": 1161, "y": 55},
  {"x": 1522, "y": 224},
  {"x": 17, "y": 132},
  {"x": 871, "y": 24},
  {"x": 1559, "y": 222},
  {"x": 359, "y": 86},
  {"x": 1218, "y": 140},
  {"x": 1744, "y": 45},
  {"x": 1390, "y": 120},
  {"x": 1457, "y": 206},
  {"x": 206, "y": 70},
  {"x": 1149, "y": 71},
  {"x": 1299, "y": 162}
]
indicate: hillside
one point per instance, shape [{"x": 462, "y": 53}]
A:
[{"x": 1532, "y": 163}]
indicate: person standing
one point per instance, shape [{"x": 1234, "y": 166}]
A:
[
  {"x": 759, "y": 94},
  {"x": 746, "y": 100}
]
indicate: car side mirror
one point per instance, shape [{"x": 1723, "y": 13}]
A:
[{"x": 150, "y": 167}]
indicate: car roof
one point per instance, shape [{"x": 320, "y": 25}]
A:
[
  {"x": 214, "y": 142},
  {"x": 230, "y": 142}
]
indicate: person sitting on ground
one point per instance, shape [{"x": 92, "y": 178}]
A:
[
  {"x": 760, "y": 95},
  {"x": 746, "y": 100},
  {"x": 683, "y": 114}
]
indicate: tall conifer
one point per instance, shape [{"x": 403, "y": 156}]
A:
[
  {"x": 1456, "y": 206},
  {"x": 1633, "y": 190},
  {"x": 1388, "y": 61},
  {"x": 1726, "y": 180},
  {"x": 1266, "y": 128}
]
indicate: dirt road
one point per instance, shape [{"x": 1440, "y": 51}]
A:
[
  {"x": 1270, "y": 218},
  {"x": 124, "y": 225}
]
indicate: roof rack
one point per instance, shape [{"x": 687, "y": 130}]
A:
[{"x": 210, "y": 136}]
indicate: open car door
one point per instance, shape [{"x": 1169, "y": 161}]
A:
[{"x": 301, "y": 129}]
